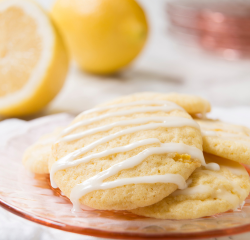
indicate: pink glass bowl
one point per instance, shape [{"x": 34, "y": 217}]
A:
[
  {"x": 31, "y": 196},
  {"x": 220, "y": 27}
]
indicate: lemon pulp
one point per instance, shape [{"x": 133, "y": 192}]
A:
[{"x": 33, "y": 59}]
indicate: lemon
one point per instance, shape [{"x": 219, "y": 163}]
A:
[
  {"x": 102, "y": 35},
  {"x": 33, "y": 58}
]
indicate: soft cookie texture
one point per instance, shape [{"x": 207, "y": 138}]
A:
[
  {"x": 35, "y": 158},
  {"x": 209, "y": 193},
  {"x": 132, "y": 195},
  {"x": 191, "y": 103},
  {"x": 226, "y": 140}
]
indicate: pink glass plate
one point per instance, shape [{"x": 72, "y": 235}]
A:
[{"x": 31, "y": 196}]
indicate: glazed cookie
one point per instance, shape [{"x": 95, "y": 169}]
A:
[
  {"x": 126, "y": 155},
  {"x": 209, "y": 192},
  {"x": 191, "y": 103},
  {"x": 226, "y": 140},
  {"x": 35, "y": 158}
]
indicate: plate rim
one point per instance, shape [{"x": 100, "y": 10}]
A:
[{"x": 94, "y": 232}]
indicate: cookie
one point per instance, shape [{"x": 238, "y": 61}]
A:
[
  {"x": 226, "y": 140},
  {"x": 209, "y": 192},
  {"x": 191, "y": 103},
  {"x": 126, "y": 156},
  {"x": 35, "y": 158}
]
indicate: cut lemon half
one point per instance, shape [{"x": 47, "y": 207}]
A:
[{"x": 33, "y": 58}]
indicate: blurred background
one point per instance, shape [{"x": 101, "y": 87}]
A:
[
  {"x": 167, "y": 63},
  {"x": 197, "y": 47}
]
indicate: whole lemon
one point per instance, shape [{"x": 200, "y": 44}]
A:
[{"x": 102, "y": 35}]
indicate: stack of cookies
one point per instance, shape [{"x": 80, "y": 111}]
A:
[{"x": 150, "y": 154}]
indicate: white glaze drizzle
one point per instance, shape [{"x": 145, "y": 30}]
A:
[
  {"x": 213, "y": 133},
  {"x": 120, "y": 113},
  {"x": 220, "y": 193},
  {"x": 192, "y": 190},
  {"x": 118, "y": 134},
  {"x": 227, "y": 136},
  {"x": 236, "y": 187},
  {"x": 168, "y": 122},
  {"x": 232, "y": 166},
  {"x": 208, "y": 133},
  {"x": 223, "y": 126},
  {"x": 236, "y": 170},
  {"x": 181, "y": 148},
  {"x": 96, "y": 182},
  {"x": 135, "y": 103},
  {"x": 67, "y": 161},
  {"x": 87, "y": 186},
  {"x": 91, "y": 146},
  {"x": 242, "y": 204}
]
